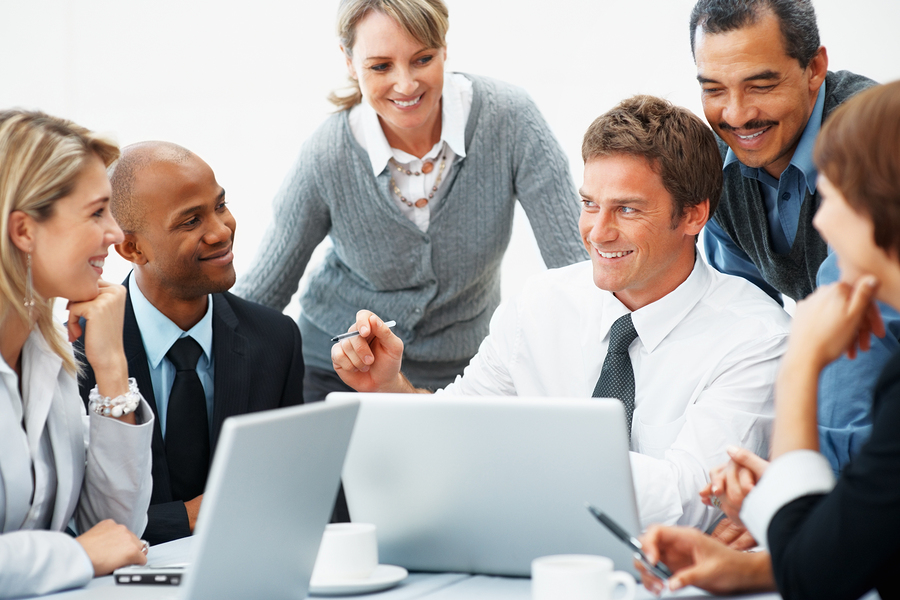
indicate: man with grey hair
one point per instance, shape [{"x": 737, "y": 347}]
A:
[
  {"x": 766, "y": 89},
  {"x": 198, "y": 353}
]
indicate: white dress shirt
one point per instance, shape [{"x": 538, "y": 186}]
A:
[
  {"x": 704, "y": 364},
  {"x": 791, "y": 476},
  {"x": 456, "y": 103},
  {"x": 158, "y": 333}
]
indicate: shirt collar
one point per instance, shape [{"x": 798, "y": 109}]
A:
[
  {"x": 158, "y": 332},
  {"x": 453, "y": 127},
  {"x": 803, "y": 154},
  {"x": 656, "y": 320}
]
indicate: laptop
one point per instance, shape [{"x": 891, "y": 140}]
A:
[
  {"x": 269, "y": 495},
  {"x": 487, "y": 484}
]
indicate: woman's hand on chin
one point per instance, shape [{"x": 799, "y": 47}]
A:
[
  {"x": 835, "y": 319},
  {"x": 103, "y": 348}
]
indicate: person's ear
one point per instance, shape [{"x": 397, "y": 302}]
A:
[
  {"x": 21, "y": 228},
  {"x": 817, "y": 69},
  {"x": 695, "y": 217},
  {"x": 350, "y": 70},
  {"x": 130, "y": 250}
]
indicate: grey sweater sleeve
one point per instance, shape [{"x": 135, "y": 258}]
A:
[
  {"x": 544, "y": 188},
  {"x": 300, "y": 220}
]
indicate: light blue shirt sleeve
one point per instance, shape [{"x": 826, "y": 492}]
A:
[
  {"x": 846, "y": 386},
  {"x": 726, "y": 257}
]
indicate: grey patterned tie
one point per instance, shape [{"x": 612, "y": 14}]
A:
[{"x": 617, "y": 376}]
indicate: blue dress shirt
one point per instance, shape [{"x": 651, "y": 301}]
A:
[
  {"x": 158, "y": 333},
  {"x": 846, "y": 386}
]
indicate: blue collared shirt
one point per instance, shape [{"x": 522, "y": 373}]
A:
[
  {"x": 158, "y": 333},
  {"x": 846, "y": 387},
  {"x": 783, "y": 198}
]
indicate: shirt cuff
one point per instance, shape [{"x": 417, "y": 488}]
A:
[{"x": 791, "y": 476}]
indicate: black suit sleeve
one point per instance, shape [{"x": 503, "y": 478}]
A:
[
  {"x": 166, "y": 521},
  {"x": 843, "y": 544},
  {"x": 293, "y": 384}
]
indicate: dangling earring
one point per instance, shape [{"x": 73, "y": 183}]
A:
[{"x": 29, "y": 287}]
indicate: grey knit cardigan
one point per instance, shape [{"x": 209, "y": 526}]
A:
[{"x": 441, "y": 286}]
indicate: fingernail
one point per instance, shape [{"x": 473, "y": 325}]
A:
[
  {"x": 674, "y": 584},
  {"x": 364, "y": 331},
  {"x": 732, "y": 450}
]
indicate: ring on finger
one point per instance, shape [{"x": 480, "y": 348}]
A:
[
  {"x": 716, "y": 502},
  {"x": 145, "y": 547}
]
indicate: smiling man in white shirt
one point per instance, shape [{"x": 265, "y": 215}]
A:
[{"x": 707, "y": 346}]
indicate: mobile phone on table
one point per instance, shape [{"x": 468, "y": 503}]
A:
[
  {"x": 659, "y": 569},
  {"x": 162, "y": 575}
]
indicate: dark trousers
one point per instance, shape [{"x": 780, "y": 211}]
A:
[{"x": 318, "y": 383}]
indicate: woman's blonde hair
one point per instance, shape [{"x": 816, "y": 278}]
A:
[
  {"x": 41, "y": 158},
  {"x": 426, "y": 21}
]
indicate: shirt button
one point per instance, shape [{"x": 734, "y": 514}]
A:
[{"x": 786, "y": 196}]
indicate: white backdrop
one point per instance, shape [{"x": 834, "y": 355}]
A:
[{"x": 243, "y": 84}]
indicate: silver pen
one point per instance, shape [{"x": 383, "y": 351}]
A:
[{"x": 351, "y": 334}]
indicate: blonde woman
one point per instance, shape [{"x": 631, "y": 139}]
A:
[
  {"x": 56, "y": 462},
  {"x": 415, "y": 180}
]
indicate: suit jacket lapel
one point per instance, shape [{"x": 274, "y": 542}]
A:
[
  {"x": 140, "y": 370},
  {"x": 232, "y": 377}
]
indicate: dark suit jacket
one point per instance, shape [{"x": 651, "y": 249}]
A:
[
  {"x": 843, "y": 544},
  {"x": 258, "y": 366}
]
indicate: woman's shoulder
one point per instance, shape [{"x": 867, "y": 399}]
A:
[
  {"x": 331, "y": 141},
  {"x": 334, "y": 126},
  {"x": 494, "y": 89}
]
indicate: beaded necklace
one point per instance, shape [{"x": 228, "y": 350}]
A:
[{"x": 426, "y": 168}]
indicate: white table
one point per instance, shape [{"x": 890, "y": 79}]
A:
[{"x": 433, "y": 586}]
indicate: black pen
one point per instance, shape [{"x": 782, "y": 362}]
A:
[
  {"x": 659, "y": 569},
  {"x": 351, "y": 334}
]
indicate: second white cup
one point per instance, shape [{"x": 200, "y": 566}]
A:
[
  {"x": 349, "y": 551},
  {"x": 578, "y": 577}
]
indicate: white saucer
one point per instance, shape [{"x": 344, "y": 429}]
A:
[{"x": 382, "y": 578}]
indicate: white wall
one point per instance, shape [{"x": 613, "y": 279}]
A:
[{"x": 243, "y": 84}]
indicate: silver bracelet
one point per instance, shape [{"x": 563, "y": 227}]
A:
[{"x": 118, "y": 406}]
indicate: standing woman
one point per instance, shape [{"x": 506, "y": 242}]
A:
[
  {"x": 55, "y": 461},
  {"x": 415, "y": 180}
]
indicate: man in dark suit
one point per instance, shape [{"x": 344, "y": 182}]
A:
[{"x": 244, "y": 357}]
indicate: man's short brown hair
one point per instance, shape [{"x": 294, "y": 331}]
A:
[
  {"x": 858, "y": 150},
  {"x": 678, "y": 145}
]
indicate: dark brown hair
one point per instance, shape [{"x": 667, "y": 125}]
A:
[
  {"x": 858, "y": 150},
  {"x": 678, "y": 145}
]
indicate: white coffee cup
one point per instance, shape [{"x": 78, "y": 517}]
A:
[
  {"x": 349, "y": 551},
  {"x": 578, "y": 577}
]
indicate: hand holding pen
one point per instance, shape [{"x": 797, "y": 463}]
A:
[{"x": 368, "y": 356}]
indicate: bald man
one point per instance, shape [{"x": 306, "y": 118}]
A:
[{"x": 243, "y": 357}]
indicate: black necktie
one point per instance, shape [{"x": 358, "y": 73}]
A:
[
  {"x": 187, "y": 425},
  {"x": 617, "y": 376}
]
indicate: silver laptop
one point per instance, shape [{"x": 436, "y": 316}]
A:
[
  {"x": 270, "y": 493},
  {"x": 485, "y": 485}
]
